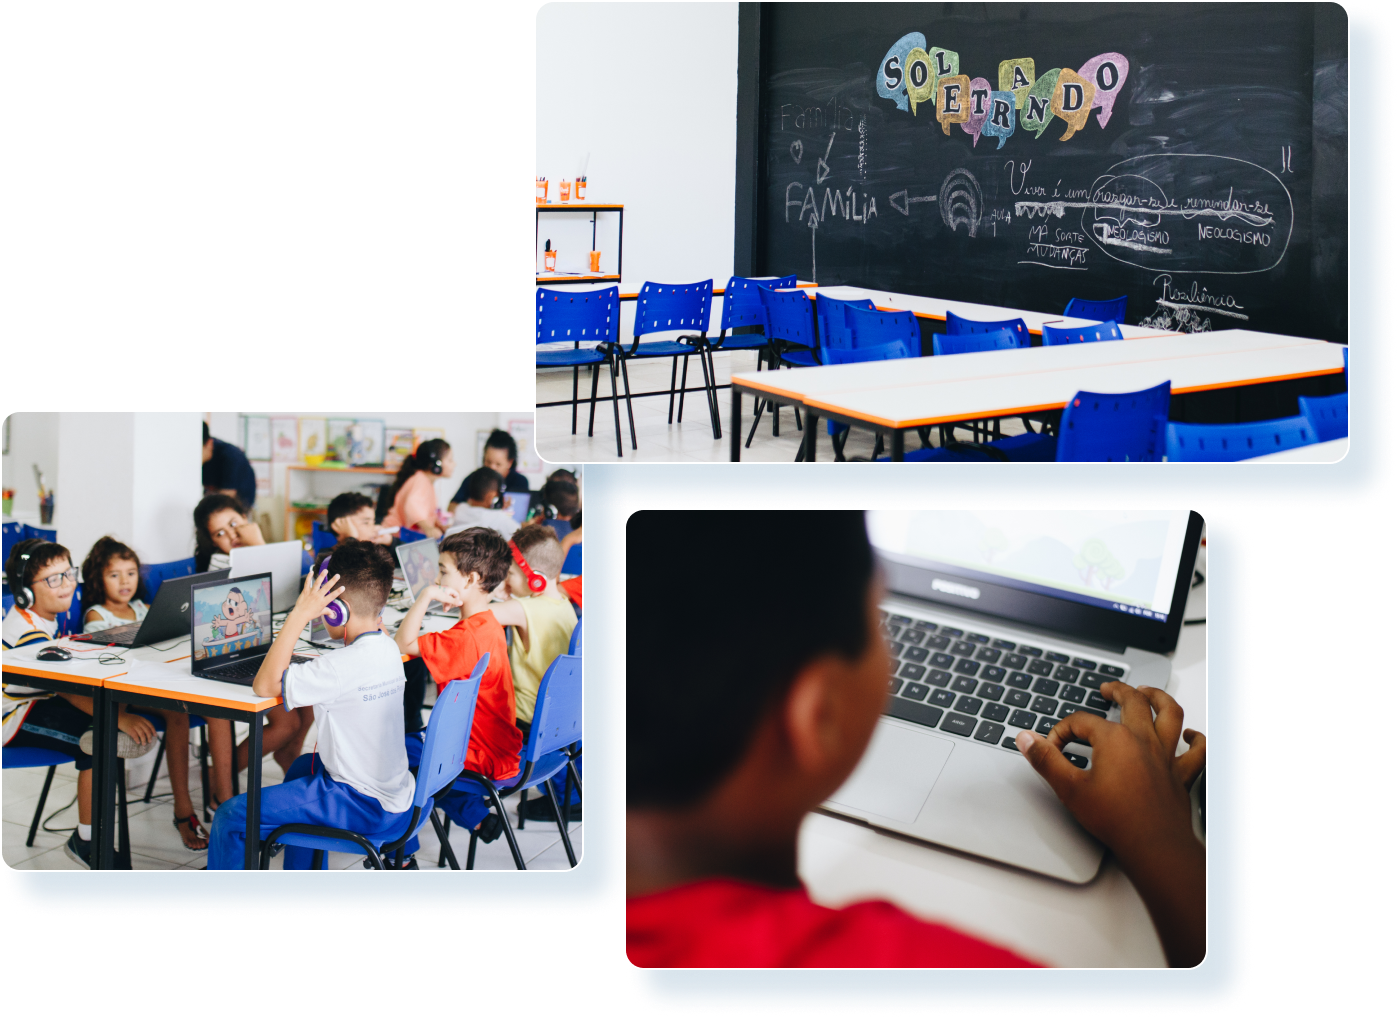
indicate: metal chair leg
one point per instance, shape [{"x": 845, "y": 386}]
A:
[
  {"x": 674, "y": 366},
  {"x": 711, "y": 392},
  {"x": 575, "y": 398},
  {"x": 626, "y": 381},
  {"x": 562, "y": 827},
  {"x": 758, "y": 404},
  {"x": 592, "y": 413},
  {"x": 616, "y": 405},
  {"x": 509, "y": 831},
  {"x": 318, "y": 859},
  {"x": 155, "y": 771},
  {"x": 39, "y": 810},
  {"x": 471, "y": 851},
  {"x": 446, "y": 856},
  {"x": 523, "y": 795},
  {"x": 204, "y": 768}
]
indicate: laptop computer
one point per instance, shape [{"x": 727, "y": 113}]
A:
[
  {"x": 419, "y": 563},
  {"x": 282, "y": 560},
  {"x": 999, "y": 622},
  {"x": 231, "y": 628},
  {"x": 167, "y": 619}
]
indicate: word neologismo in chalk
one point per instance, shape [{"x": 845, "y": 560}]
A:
[{"x": 913, "y": 73}]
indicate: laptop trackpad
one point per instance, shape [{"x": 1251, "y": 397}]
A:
[{"x": 897, "y": 773}]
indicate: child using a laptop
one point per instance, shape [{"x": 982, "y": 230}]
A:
[
  {"x": 111, "y": 579},
  {"x": 739, "y": 723},
  {"x": 350, "y": 517},
  {"x": 358, "y": 778},
  {"x": 42, "y": 580},
  {"x": 482, "y": 488},
  {"x": 471, "y": 566},
  {"x": 544, "y": 623}
]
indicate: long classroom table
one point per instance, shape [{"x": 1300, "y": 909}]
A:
[{"x": 895, "y": 396}]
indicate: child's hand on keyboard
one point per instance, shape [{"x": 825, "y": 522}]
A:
[{"x": 1135, "y": 798}]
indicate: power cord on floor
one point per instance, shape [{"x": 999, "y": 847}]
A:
[{"x": 59, "y": 830}]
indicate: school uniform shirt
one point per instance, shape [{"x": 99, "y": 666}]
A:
[
  {"x": 22, "y": 626},
  {"x": 357, "y": 694},
  {"x": 726, "y": 923},
  {"x": 493, "y": 749},
  {"x": 110, "y": 621},
  {"x": 573, "y": 588},
  {"x": 416, "y": 501},
  {"x": 498, "y": 520},
  {"x": 550, "y": 624}
]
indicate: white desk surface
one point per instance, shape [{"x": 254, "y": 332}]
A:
[
  {"x": 916, "y": 391},
  {"x": 937, "y": 308},
  {"x": 1320, "y": 452},
  {"x": 84, "y": 666},
  {"x": 1100, "y": 924}
]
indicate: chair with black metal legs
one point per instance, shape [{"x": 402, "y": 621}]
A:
[
  {"x": 671, "y": 307},
  {"x": 33, "y": 756},
  {"x": 589, "y": 320},
  {"x": 742, "y": 309},
  {"x": 443, "y": 756},
  {"x": 791, "y": 328},
  {"x": 556, "y": 726},
  {"x": 195, "y": 721}
]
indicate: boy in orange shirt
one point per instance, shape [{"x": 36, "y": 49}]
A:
[{"x": 471, "y": 565}]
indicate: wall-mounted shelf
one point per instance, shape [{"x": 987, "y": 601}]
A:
[{"x": 567, "y": 278}]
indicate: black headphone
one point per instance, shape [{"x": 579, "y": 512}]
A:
[
  {"x": 24, "y": 596},
  {"x": 425, "y": 458}
]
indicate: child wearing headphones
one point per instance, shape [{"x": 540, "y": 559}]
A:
[
  {"x": 358, "y": 779},
  {"x": 544, "y": 622},
  {"x": 42, "y": 579},
  {"x": 111, "y": 579},
  {"x": 413, "y": 494},
  {"x": 472, "y": 565},
  {"x": 482, "y": 488}
]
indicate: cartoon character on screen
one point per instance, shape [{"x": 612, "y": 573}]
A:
[{"x": 236, "y": 618}]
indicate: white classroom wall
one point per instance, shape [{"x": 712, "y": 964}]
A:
[
  {"x": 651, "y": 92},
  {"x": 33, "y": 438}
]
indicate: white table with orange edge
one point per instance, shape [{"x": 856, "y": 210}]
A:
[{"x": 895, "y": 396}]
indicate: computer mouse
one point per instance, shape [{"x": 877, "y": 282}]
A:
[{"x": 54, "y": 654}]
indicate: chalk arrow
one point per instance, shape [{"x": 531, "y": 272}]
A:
[
  {"x": 822, "y": 170},
  {"x": 893, "y": 200}
]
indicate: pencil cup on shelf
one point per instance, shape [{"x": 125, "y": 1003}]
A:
[
  {"x": 46, "y": 508},
  {"x": 550, "y": 256},
  {"x": 594, "y": 261},
  {"x": 541, "y": 190},
  {"x": 564, "y": 186},
  {"x": 9, "y": 501},
  {"x": 579, "y": 186}
]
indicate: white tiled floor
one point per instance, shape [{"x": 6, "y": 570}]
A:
[
  {"x": 156, "y": 844},
  {"x": 690, "y": 441}
]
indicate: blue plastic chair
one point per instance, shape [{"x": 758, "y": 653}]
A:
[
  {"x": 575, "y": 642},
  {"x": 742, "y": 308},
  {"x": 557, "y": 725},
  {"x": 153, "y": 574},
  {"x": 443, "y": 756},
  {"x": 572, "y": 562},
  {"x": 12, "y": 537},
  {"x": 958, "y": 326},
  {"x": 406, "y": 536},
  {"x": 7, "y": 601},
  {"x": 44, "y": 534},
  {"x": 322, "y": 538},
  {"x": 1228, "y": 443},
  {"x": 1119, "y": 427},
  {"x": 791, "y": 329},
  {"x": 977, "y": 342},
  {"x": 1329, "y": 415},
  {"x": 830, "y": 316},
  {"x": 883, "y": 352},
  {"x": 1101, "y": 333},
  {"x": 590, "y": 321},
  {"x": 15, "y": 757},
  {"x": 561, "y": 528},
  {"x": 1097, "y": 310},
  {"x": 879, "y": 328},
  {"x": 670, "y": 307}
]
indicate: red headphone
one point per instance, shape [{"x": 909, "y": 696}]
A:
[{"x": 536, "y": 582}]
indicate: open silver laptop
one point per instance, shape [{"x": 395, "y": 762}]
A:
[
  {"x": 1000, "y": 621},
  {"x": 282, "y": 560},
  {"x": 419, "y": 563}
]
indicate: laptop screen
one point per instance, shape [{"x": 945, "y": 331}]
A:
[
  {"x": 1124, "y": 561},
  {"x": 419, "y": 562},
  {"x": 232, "y": 617}
]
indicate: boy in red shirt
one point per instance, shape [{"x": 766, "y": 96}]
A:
[
  {"x": 738, "y": 723},
  {"x": 471, "y": 565}
]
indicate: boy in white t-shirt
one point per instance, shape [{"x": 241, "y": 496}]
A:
[
  {"x": 482, "y": 488},
  {"x": 358, "y": 779}
]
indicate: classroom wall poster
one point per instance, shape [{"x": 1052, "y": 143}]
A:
[
  {"x": 522, "y": 431},
  {"x": 284, "y": 439},
  {"x": 310, "y": 433},
  {"x": 337, "y": 439},
  {"x": 257, "y": 438},
  {"x": 366, "y": 446},
  {"x": 421, "y": 435},
  {"x": 262, "y": 470},
  {"x": 397, "y": 446}
]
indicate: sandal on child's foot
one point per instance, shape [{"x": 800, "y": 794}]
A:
[
  {"x": 489, "y": 828},
  {"x": 191, "y": 830}
]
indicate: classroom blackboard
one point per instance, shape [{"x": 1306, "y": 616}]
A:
[{"x": 1191, "y": 156}]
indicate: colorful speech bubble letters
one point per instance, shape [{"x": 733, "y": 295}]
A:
[
  {"x": 945, "y": 63},
  {"x": 953, "y": 101},
  {"x": 1072, "y": 101},
  {"x": 1036, "y": 114},
  {"x": 1001, "y": 122},
  {"x": 978, "y": 99},
  {"x": 917, "y": 66},
  {"x": 1107, "y": 72},
  {"x": 890, "y": 83},
  {"x": 1017, "y": 76}
]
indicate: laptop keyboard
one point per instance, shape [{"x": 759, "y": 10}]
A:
[
  {"x": 986, "y": 688},
  {"x": 122, "y": 635},
  {"x": 245, "y": 669}
]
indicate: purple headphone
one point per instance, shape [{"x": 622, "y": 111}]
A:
[{"x": 336, "y": 612}]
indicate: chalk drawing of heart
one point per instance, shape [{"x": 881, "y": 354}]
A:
[{"x": 796, "y": 150}]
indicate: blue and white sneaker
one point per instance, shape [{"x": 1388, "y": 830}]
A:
[{"x": 79, "y": 851}]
